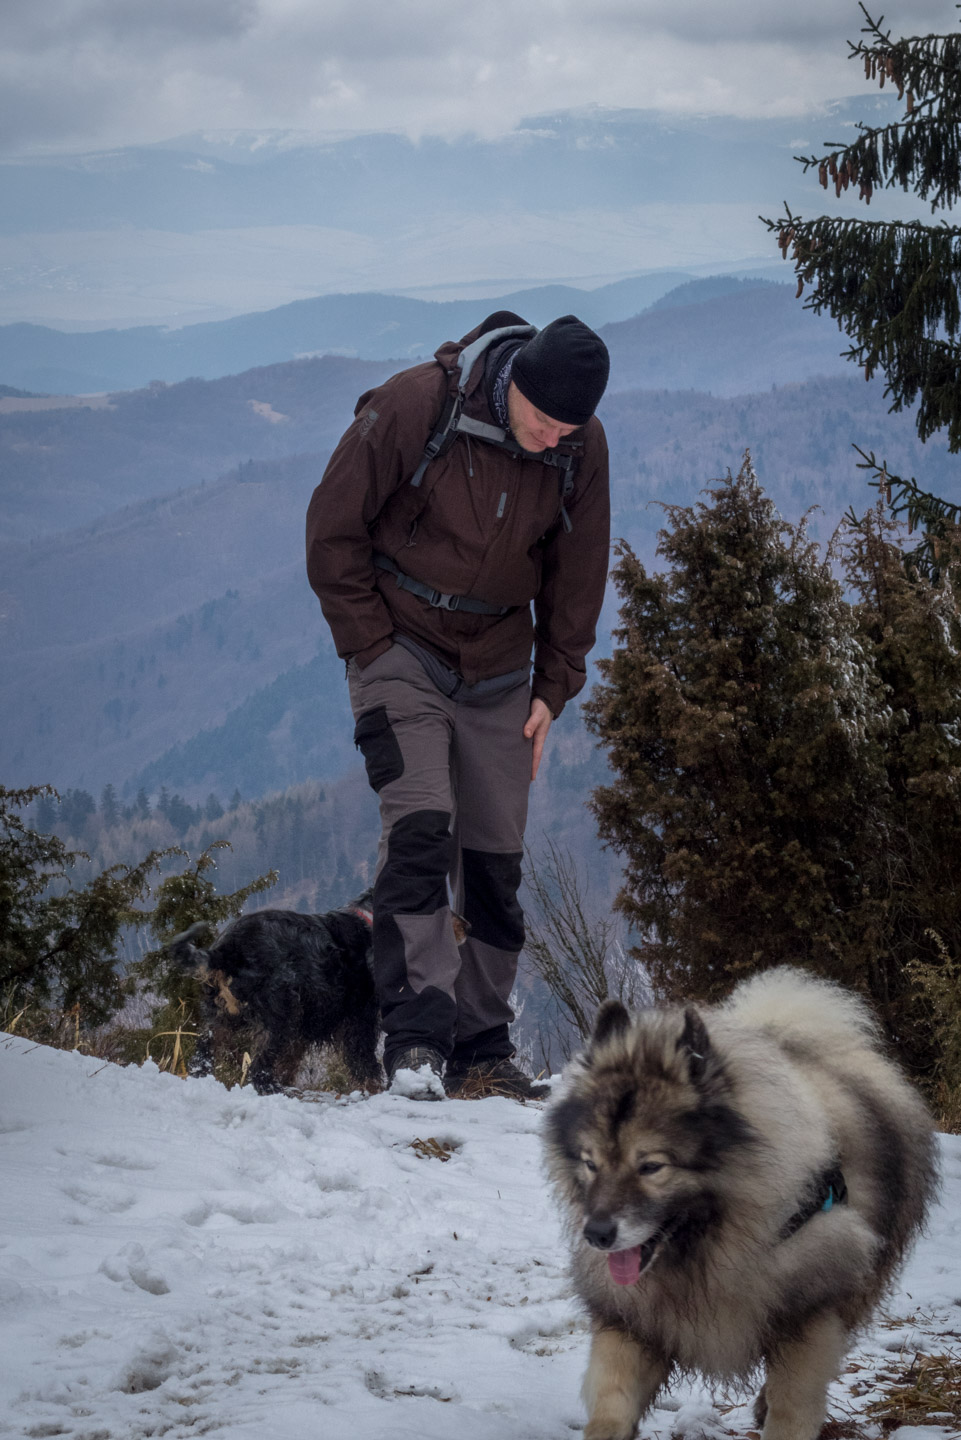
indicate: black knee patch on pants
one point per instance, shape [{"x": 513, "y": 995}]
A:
[
  {"x": 491, "y": 908},
  {"x": 376, "y": 741},
  {"x": 413, "y": 881},
  {"x": 414, "y": 878}
]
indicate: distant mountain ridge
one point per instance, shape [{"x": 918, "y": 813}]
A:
[
  {"x": 725, "y": 340},
  {"x": 369, "y": 326},
  {"x": 65, "y": 468}
]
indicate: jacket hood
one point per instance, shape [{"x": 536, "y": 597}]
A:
[{"x": 447, "y": 353}]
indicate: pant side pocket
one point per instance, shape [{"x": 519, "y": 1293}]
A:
[{"x": 376, "y": 741}]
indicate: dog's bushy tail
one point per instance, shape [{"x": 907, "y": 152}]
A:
[
  {"x": 798, "y": 1006},
  {"x": 184, "y": 952}
]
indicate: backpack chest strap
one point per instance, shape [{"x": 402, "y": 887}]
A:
[{"x": 437, "y": 598}]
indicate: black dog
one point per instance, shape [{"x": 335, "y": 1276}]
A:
[{"x": 298, "y": 980}]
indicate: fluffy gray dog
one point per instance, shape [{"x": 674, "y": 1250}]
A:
[{"x": 741, "y": 1184}]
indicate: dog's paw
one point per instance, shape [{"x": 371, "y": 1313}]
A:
[{"x": 609, "y": 1429}]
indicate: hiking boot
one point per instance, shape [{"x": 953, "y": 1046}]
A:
[
  {"x": 493, "y": 1077},
  {"x": 416, "y": 1074}
]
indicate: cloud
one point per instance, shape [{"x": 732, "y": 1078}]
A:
[
  {"x": 820, "y": 25},
  {"x": 61, "y": 25},
  {"x": 78, "y": 74}
]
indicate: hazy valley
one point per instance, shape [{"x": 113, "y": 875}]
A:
[{"x": 157, "y": 627}]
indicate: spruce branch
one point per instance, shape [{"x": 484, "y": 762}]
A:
[
  {"x": 921, "y": 151},
  {"x": 937, "y": 519},
  {"x": 893, "y": 288}
]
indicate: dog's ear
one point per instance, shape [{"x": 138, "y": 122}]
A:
[
  {"x": 184, "y": 949},
  {"x": 611, "y": 1019},
  {"x": 696, "y": 1043}
]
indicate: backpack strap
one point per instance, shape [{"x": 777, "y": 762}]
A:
[
  {"x": 437, "y": 598},
  {"x": 566, "y": 465},
  {"x": 443, "y": 437},
  {"x": 453, "y": 422}
]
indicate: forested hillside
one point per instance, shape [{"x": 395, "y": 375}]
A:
[
  {"x": 66, "y": 468},
  {"x": 321, "y": 838},
  {"x": 176, "y": 641}
]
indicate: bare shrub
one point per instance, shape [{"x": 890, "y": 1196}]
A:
[{"x": 579, "y": 956}]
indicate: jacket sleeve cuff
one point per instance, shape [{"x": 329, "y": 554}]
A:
[{"x": 551, "y": 694}]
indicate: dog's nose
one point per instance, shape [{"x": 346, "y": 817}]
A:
[{"x": 601, "y": 1233}]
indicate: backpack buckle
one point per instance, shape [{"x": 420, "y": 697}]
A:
[{"x": 443, "y": 602}]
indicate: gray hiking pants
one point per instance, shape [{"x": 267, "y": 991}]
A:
[{"x": 452, "y": 774}]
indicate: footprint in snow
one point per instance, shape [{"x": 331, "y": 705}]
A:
[
  {"x": 129, "y": 1268},
  {"x": 106, "y": 1201},
  {"x": 119, "y": 1161}
]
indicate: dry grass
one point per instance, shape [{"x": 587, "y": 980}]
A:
[
  {"x": 171, "y": 1055},
  {"x": 65, "y": 1030},
  {"x": 478, "y": 1087},
  {"x": 947, "y": 1109},
  {"x": 481, "y": 1087},
  {"x": 431, "y": 1149},
  {"x": 842, "y": 1430},
  {"x": 129, "y": 1039},
  {"x": 927, "y": 1392}
]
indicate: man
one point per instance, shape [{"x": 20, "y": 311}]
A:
[{"x": 426, "y": 559}]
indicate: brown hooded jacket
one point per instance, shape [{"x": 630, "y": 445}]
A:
[{"x": 484, "y": 523}]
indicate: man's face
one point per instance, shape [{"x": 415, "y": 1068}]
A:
[{"x": 530, "y": 427}]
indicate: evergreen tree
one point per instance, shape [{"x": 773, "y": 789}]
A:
[
  {"x": 893, "y": 286},
  {"x": 213, "y": 810},
  {"x": 181, "y": 815},
  {"x": 109, "y": 808},
  {"x": 787, "y": 761},
  {"x": 76, "y": 807},
  {"x": 181, "y": 901},
  {"x": 45, "y": 811},
  {"x": 913, "y": 628},
  {"x": 59, "y": 945},
  {"x": 738, "y": 714}
]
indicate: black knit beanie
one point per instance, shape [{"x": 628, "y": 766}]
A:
[{"x": 563, "y": 370}]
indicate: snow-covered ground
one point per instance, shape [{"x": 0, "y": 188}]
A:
[{"x": 180, "y": 1260}]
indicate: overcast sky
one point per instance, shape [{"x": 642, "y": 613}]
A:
[{"x": 81, "y": 74}]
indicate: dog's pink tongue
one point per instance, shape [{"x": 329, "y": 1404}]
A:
[{"x": 625, "y": 1265}]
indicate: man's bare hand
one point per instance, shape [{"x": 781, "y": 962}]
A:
[{"x": 536, "y": 729}]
